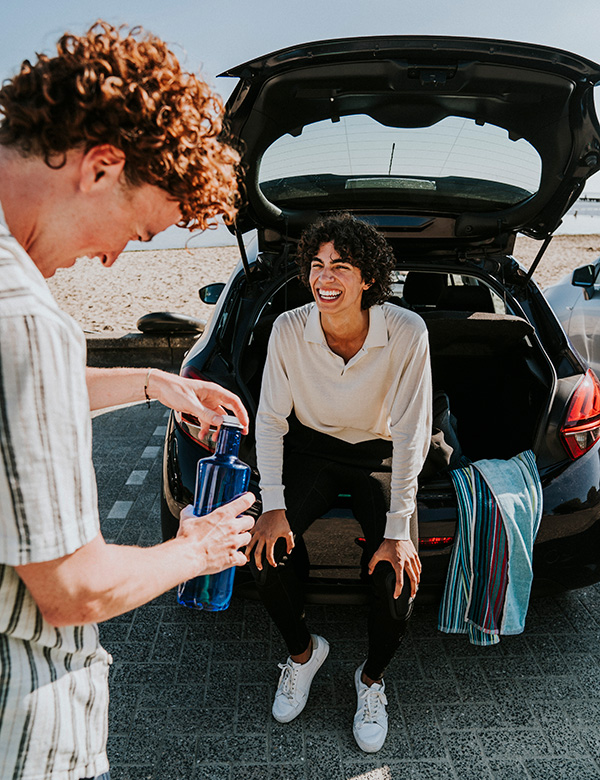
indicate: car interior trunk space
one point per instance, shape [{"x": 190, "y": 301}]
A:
[{"x": 493, "y": 394}]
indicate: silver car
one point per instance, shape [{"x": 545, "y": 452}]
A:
[{"x": 575, "y": 300}]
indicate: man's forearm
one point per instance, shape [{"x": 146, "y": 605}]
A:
[
  {"x": 109, "y": 387},
  {"x": 100, "y": 581}
]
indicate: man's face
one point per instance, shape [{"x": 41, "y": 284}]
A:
[
  {"x": 132, "y": 214},
  {"x": 101, "y": 223}
]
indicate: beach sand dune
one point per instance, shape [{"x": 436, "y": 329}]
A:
[{"x": 110, "y": 301}]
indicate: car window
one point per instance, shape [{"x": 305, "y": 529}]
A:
[
  {"x": 441, "y": 291},
  {"x": 455, "y": 160}
]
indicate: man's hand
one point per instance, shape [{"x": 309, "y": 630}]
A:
[
  {"x": 99, "y": 580},
  {"x": 218, "y": 536},
  {"x": 108, "y": 387},
  {"x": 205, "y": 400},
  {"x": 270, "y": 527},
  {"x": 403, "y": 557}
]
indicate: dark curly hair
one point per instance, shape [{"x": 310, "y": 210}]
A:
[
  {"x": 356, "y": 242},
  {"x": 126, "y": 88}
]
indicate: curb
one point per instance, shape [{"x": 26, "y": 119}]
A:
[{"x": 138, "y": 350}]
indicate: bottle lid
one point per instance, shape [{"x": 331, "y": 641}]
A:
[{"x": 231, "y": 421}]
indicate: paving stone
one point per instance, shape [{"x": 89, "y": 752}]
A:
[
  {"x": 285, "y": 744},
  {"x": 508, "y": 770},
  {"x": 323, "y": 756},
  {"x": 238, "y": 749},
  {"x": 561, "y": 769},
  {"x": 466, "y": 755},
  {"x": 501, "y": 743},
  {"x": 559, "y": 732},
  {"x": 212, "y": 772},
  {"x": 296, "y": 771},
  {"x": 133, "y": 773},
  {"x": 201, "y": 720},
  {"x": 176, "y": 761}
]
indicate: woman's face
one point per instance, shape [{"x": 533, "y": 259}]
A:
[{"x": 336, "y": 284}]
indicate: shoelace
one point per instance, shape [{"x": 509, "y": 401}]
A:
[
  {"x": 287, "y": 680},
  {"x": 371, "y": 701}
]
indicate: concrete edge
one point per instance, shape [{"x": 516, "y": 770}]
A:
[{"x": 139, "y": 349}]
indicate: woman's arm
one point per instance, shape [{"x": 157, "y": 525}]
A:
[
  {"x": 274, "y": 408},
  {"x": 410, "y": 427},
  {"x": 207, "y": 401}
]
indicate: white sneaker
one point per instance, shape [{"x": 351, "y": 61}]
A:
[
  {"x": 295, "y": 680},
  {"x": 371, "y": 720}
]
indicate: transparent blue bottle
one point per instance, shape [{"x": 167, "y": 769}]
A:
[{"x": 220, "y": 479}]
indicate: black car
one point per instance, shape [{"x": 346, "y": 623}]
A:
[{"x": 450, "y": 147}]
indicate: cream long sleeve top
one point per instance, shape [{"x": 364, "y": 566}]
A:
[{"x": 384, "y": 392}]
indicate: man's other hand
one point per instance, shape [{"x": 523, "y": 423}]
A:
[
  {"x": 206, "y": 401},
  {"x": 219, "y": 535}
]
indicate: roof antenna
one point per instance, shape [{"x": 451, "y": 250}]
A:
[{"x": 391, "y": 159}]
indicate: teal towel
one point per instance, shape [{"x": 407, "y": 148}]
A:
[
  {"x": 499, "y": 513},
  {"x": 516, "y": 487}
]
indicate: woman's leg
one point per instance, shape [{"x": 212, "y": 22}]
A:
[
  {"x": 311, "y": 488},
  {"x": 388, "y": 617}
]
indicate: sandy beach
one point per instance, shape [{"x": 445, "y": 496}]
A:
[{"x": 110, "y": 301}]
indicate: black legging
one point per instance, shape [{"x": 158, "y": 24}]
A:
[{"x": 317, "y": 468}]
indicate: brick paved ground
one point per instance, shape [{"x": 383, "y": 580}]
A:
[{"x": 191, "y": 693}]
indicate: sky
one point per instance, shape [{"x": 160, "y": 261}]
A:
[{"x": 214, "y": 36}]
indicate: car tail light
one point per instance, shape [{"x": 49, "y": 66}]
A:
[
  {"x": 425, "y": 542},
  {"x": 581, "y": 428},
  {"x": 434, "y": 542},
  {"x": 189, "y": 424}
]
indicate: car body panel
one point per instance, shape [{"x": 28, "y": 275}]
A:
[{"x": 578, "y": 310}]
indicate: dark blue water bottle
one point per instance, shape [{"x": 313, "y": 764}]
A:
[{"x": 220, "y": 479}]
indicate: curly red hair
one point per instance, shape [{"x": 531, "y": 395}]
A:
[{"x": 126, "y": 88}]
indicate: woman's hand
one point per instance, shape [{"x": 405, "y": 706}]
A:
[
  {"x": 270, "y": 527},
  {"x": 403, "y": 557},
  {"x": 205, "y": 400}
]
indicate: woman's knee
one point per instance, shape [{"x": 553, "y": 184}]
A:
[
  {"x": 290, "y": 566},
  {"x": 383, "y": 583}
]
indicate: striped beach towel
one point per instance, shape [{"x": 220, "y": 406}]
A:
[{"x": 490, "y": 573}]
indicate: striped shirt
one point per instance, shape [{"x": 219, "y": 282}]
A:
[{"x": 53, "y": 681}]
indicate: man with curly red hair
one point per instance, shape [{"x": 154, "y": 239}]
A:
[{"x": 106, "y": 142}]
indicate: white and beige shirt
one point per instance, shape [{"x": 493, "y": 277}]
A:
[
  {"x": 383, "y": 392},
  {"x": 53, "y": 681}
]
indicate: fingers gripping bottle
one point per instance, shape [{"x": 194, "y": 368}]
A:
[{"x": 220, "y": 479}]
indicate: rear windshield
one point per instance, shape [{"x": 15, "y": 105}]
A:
[{"x": 454, "y": 164}]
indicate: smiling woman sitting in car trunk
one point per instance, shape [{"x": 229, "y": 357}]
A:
[{"x": 345, "y": 407}]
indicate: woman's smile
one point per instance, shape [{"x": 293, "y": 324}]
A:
[
  {"x": 328, "y": 295},
  {"x": 335, "y": 282}
]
